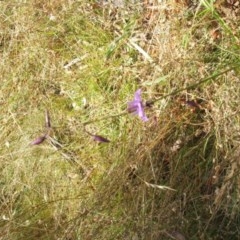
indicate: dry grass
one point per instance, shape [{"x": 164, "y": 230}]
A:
[{"x": 174, "y": 177}]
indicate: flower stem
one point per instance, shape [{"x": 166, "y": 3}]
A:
[
  {"x": 104, "y": 118},
  {"x": 150, "y": 102}
]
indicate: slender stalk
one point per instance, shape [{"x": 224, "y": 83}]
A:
[
  {"x": 105, "y": 117},
  {"x": 150, "y": 102}
]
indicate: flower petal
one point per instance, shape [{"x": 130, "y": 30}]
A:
[
  {"x": 132, "y": 106},
  {"x": 140, "y": 112},
  {"x": 99, "y": 138},
  {"x": 136, "y": 106},
  {"x": 38, "y": 140},
  {"x": 137, "y": 95},
  {"x": 144, "y": 118}
]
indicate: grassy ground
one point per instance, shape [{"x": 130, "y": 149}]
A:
[{"x": 175, "y": 176}]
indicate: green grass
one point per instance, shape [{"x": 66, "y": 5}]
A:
[{"x": 173, "y": 177}]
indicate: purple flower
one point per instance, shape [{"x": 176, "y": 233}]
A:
[
  {"x": 136, "y": 106},
  {"x": 192, "y": 104},
  {"x": 38, "y": 140},
  {"x": 98, "y": 138}
]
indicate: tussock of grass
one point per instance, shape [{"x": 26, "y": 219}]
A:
[{"x": 173, "y": 177}]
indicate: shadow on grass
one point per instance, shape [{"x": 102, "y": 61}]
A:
[{"x": 182, "y": 155}]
